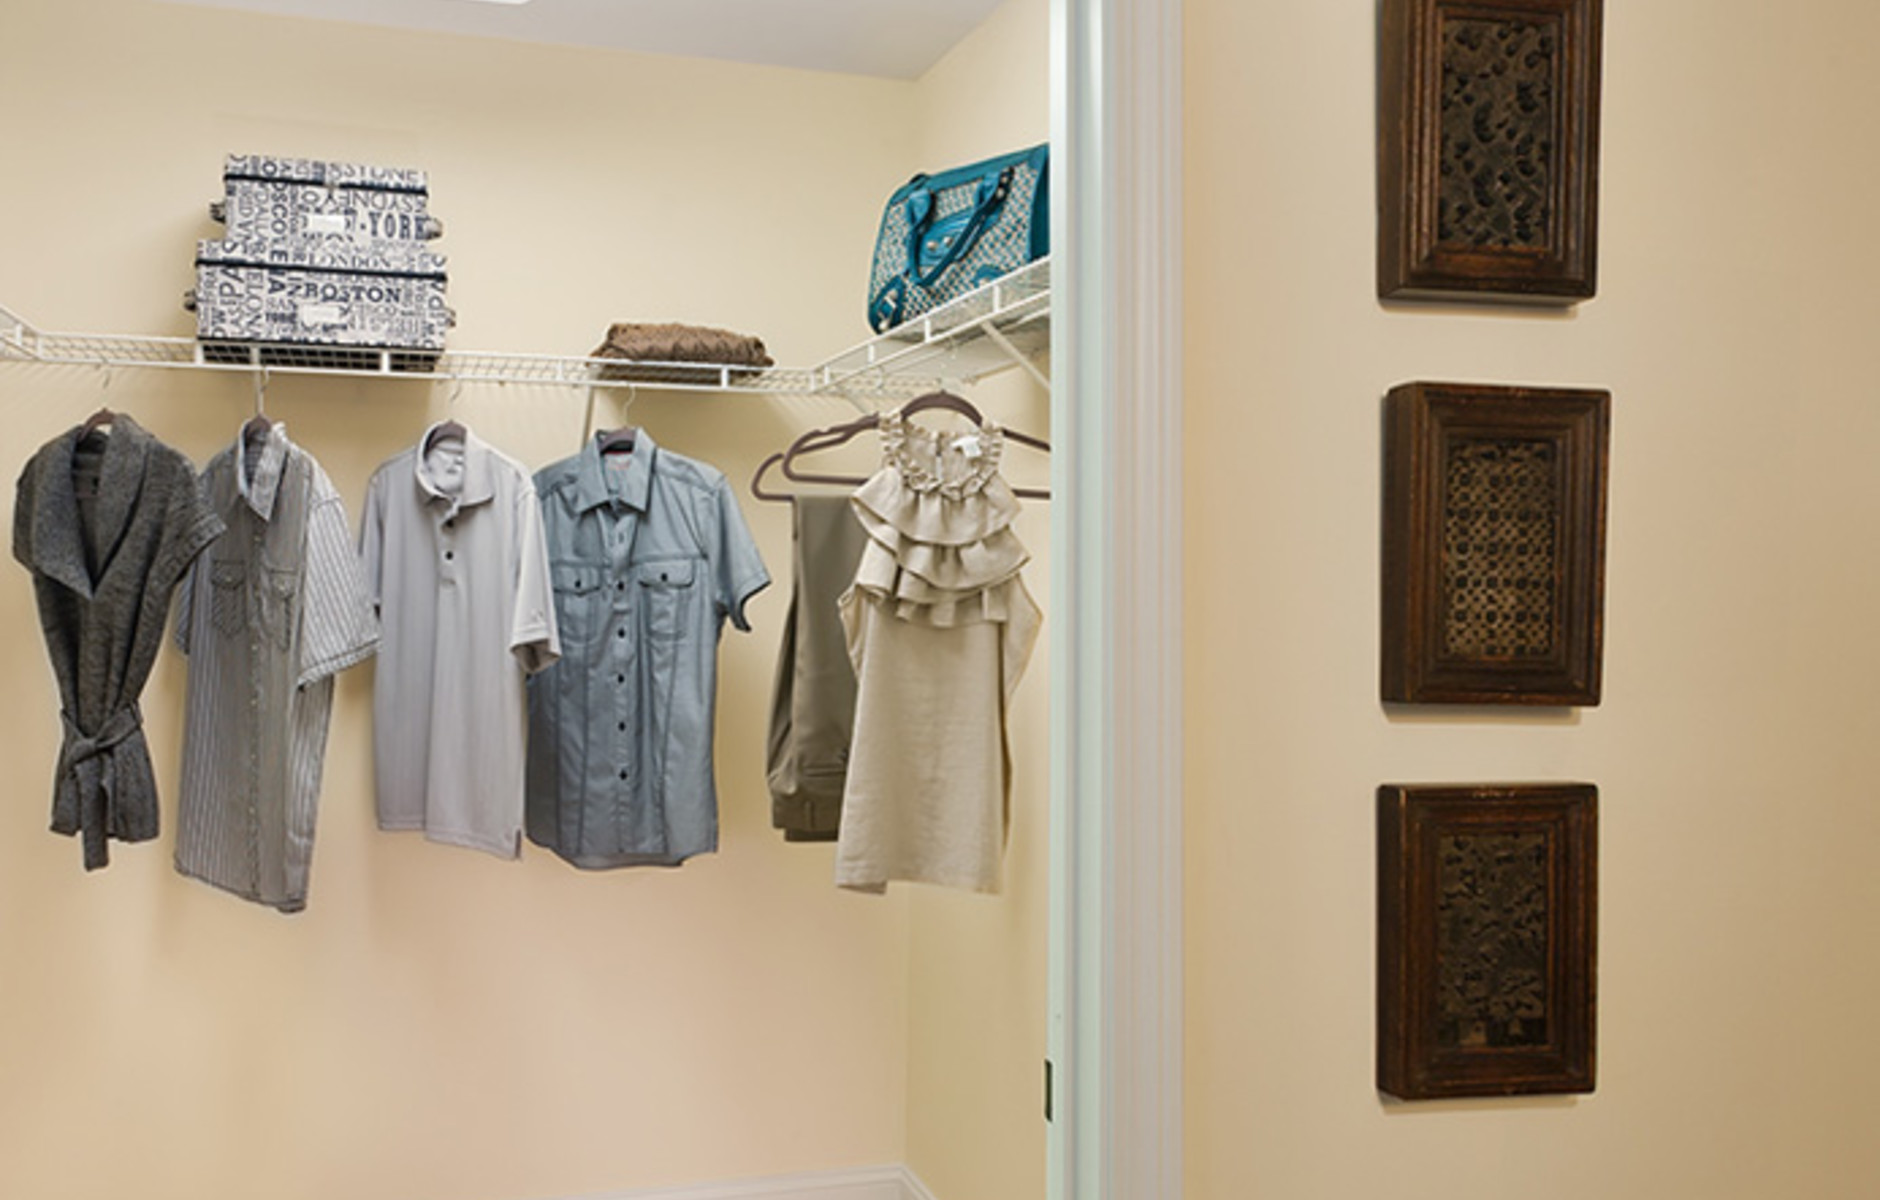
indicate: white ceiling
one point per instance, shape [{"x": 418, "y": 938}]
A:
[{"x": 898, "y": 39}]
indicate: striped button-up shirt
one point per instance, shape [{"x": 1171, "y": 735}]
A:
[{"x": 268, "y": 615}]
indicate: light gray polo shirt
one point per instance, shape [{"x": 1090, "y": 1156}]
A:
[
  {"x": 651, "y": 556},
  {"x": 454, "y": 557},
  {"x": 268, "y": 615}
]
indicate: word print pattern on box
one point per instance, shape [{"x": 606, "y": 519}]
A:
[
  {"x": 283, "y": 211},
  {"x": 323, "y": 264},
  {"x": 939, "y": 628},
  {"x": 328, "y": 294}
]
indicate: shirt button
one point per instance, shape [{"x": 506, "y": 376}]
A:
[
  {"x": 449, "y": 555},
  {"x": 620, "y": 587},
  {"x": 620, "y": 633},
  {"x": 623, "y": 772},
  {"x": 451, "y": 523},
  {"x": 620, "y": 679},
  {"x": 623, "y": 726}
]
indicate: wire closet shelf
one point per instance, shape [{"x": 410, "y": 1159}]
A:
[{"x": 1001, "y": 324}]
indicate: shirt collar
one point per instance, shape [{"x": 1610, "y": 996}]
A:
[
  {"x": 479, "y": 484},
  {"x": 270, "y": 464},
  {"x": 600, "y": 483}
]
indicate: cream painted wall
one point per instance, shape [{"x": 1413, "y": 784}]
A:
[
  {"x": 976, "y": 994},
  {"x": 1735, "y": 749},
  {"x": 439, "y": 1023}
]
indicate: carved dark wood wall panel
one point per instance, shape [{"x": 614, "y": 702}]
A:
[
  {"x": 1494, "y": 544},
  {"x": 1488, "y": 149},
  {"x": 1486, "y": 939}
]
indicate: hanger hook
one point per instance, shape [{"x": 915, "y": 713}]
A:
[
  {"x": 456, "y": 390},
  {"x": 261, "y": 392}
]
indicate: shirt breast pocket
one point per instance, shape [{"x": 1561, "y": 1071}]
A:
[
  {"x": 228, "y": 599},
  {"x": 280, "y": 589},
  {"x": 577, "y": 601},
  {"x": 666, "y": 594}
]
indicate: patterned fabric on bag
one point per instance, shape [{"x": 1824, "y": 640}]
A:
[{"x": 943, "y": 235}]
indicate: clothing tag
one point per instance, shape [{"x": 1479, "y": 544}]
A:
[
  {"x": 322, "y": 314},
  {"x": 326, "y": 222},
  {"x": 969, "y": 446}
]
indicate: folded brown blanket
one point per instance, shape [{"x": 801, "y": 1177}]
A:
[{"x": 673, "y": 343}]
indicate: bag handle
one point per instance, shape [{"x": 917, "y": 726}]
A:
[
  {"x": 884, "y": 311},
  {"x": 993, "y": 189}
]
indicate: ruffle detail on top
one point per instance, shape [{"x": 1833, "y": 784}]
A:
[
  {"x": 917, "y": 602},
  {"x": 947, "y": 568},
  {"x": 887, "y": 500},
  {"x": 954, "y": 465},
  {"x": 941, "y": 551}
]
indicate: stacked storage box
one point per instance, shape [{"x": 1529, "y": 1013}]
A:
[{"x": 324, "y": 264}]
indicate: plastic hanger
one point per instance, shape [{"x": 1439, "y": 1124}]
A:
[
  {"x": 92, "y": 424},
  {"x": 258, "y": 426},
  {"x": 450, "y": 428},
  {"x": 835, "y": 435},
  {"x": 621, "y": 438},
  {"x": 757, "y": 481},
  {"x": 946, "y": 400},
  {"x": 104, "y": 416}
]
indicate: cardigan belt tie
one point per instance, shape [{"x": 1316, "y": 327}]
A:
[{"x": 87, "y": 786}]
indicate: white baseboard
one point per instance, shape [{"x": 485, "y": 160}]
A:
[{"x": 861, "y": 1183}]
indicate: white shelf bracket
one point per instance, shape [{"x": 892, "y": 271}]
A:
[{"x": 1018, "y": 357}]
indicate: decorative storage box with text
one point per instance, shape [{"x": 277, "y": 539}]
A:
[
  {"x": 323, "y": 263},
  {"x": 390, "y": 295},
  {"x": 256, "y": 208}
]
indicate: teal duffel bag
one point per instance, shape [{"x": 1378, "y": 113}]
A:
[{"x": 945, "y": 234}]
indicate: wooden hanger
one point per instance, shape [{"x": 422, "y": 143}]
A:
[{"x": 835, "y": 435}]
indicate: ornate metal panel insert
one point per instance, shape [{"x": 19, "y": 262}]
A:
[
  {"x": 1496, "y": 167},
  {"x": 1491, "y": 940},
  {"x": 1500, "y": 550}
]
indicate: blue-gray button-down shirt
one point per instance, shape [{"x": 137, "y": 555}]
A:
[{"x": 649, "y": 555}]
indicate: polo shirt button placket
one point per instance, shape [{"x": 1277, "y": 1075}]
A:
[{"x": 447, "y": 534}]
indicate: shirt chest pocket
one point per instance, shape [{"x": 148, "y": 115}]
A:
[
  {"x": 279, "y": 594},
  {"x": 258, "y": 597},
  {"x": 667, "y": 593},
  {"x": 578, "y": 603},
  {"x": 228, "y": 600}
]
